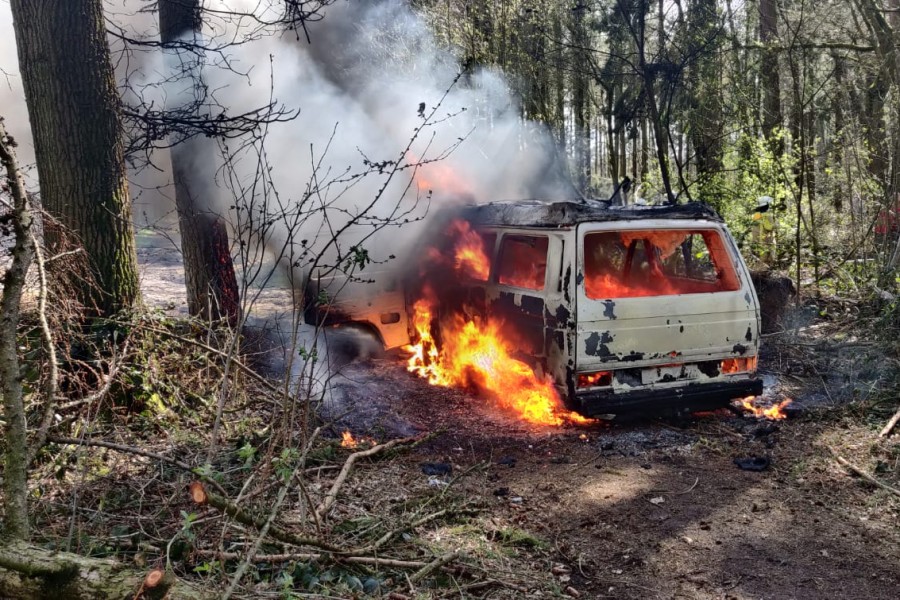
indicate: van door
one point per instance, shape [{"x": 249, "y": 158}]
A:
[
  {"x": 374, "y": 299},
  {"x": 659, "y": 293}
]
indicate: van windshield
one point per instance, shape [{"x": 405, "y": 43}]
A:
[{"x": 629, "y": 264}]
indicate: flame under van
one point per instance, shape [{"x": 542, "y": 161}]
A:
[{"x": 629, "y": 310}]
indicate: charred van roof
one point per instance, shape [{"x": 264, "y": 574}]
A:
[{"x": 536, "y": 213}]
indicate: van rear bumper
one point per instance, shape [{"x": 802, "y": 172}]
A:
[{"x": 681, "y": 399}]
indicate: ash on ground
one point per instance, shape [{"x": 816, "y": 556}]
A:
[{"x": 639, "y": 442}]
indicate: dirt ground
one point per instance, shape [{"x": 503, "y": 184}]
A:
[
  {"x": 653, "y": 509},
  {"x": 658, "y": 510}
]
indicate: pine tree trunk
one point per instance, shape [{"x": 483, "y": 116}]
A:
[
  {"x": 212, "y": 290},
  {"x": 769, "y": 78},
  {"x": 75, "y": 111},
  {"x": 706, "y": 96},
  {"x": 580, "y": 108}
]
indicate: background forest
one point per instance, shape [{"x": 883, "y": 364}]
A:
[{"x": 719, "y": 101}]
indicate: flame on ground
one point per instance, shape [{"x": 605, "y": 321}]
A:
[
  {"x": 478, "y": 355},
  {"x": 774, "y": 412},
  {"x": 348, "y": 441}
]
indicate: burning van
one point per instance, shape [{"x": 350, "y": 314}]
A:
[{"x": 615, "y": 311}]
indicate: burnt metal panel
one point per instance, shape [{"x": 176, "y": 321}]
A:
[
  {"x": 674, "y": 399},
  {"x": 536, "y": 213}
]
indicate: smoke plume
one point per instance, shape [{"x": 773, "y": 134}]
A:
[{"x": 370, "y": 79}]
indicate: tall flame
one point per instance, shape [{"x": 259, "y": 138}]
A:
[
  {"x": 478, "y": 355},
  {"x": 469, "y": 252},
  {"x": 348, "y": 441}
]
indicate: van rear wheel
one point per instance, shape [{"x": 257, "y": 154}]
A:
[{"x": 351, "y": 342}]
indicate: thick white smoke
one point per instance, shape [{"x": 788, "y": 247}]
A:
[{"x": 359, "y": 85}]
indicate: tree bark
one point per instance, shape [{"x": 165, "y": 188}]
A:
[
  {"x": 75, "y": 110},
  {"x": 15, "y": 467},
  {"x": 212, "y": 290},
  {"x": 879, "y": 84},
  {"x": 28, "y": 572},
  {"x": 705, "y": 93},
  {"x": 580, "y": 104},
  {"x": 772, "y": 117}
]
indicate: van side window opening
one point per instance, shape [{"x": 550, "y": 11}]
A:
[
  {"x": 473, "y": 253},
  {"x": 523, "y": 261},
  {"x": 630, "y": 264},
  {"x": 488, "y": 242},
  {"x": 472, "y": 250}
]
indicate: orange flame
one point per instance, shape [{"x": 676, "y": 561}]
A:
[
  {"x": 607, "y": 286},
  {"x": 434, "y": 175},
  {"x": 478, "y": 355},
  {"x": 773, "y": 413},
  {"x": 348, "y": 441},
  {"x": 469, "y": 252}
]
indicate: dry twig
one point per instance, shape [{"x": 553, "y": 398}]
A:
[
  {"x": 242, "y": 516},
  {"x": 843, "y": 461},
  {"x": 434, "y": 565},
  {"x": 890, "y": 425},
  {"x": 330, "y": 498},
  {"x": 138, "y": 452},
  {"x": 375, "y": 561}
]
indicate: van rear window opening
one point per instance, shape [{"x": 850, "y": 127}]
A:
[{"x": 635, "y": 263}]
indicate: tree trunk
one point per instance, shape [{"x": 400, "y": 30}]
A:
[
  {"x": 705, "y": 93},
  {"x": 580, "y": 107},
  {"x": 879, "y": 85},
  {"x": 769, "y": 79},
  {"x": 660, "y": 128},
  {"x": 28, "y": 572},
  {"x": 212, "y": 290},
  {"x": 644, "y": 151},
  {"x": 559, "y": 67},
  {"x": 74, "y": 107},
  {"x": 15, "y": 452}
]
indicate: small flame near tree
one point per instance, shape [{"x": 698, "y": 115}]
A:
[
  {"x": 477, "y": 355},
  {"x": 773, "y": 413}
]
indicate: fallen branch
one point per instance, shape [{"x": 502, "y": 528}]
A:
[
  {"x": 437, "y": 563},
  {"x": 478, "y": 585},
  {"x": 241, "y": 366},
  {"x": 843, "y": 461},
  {"x": 267, "y": 525},
  {"x": 138, "y": 451},
  {"x": 242, "y": 516},
  {"x": 28, "y": 572},
  {"x": 156, "y": 585},
  {"x": 890, "y": 425},
  {"x": 408, "y": 526},
  {"x": 375, "y": 561},
  {"x": 330, "y": 498}
]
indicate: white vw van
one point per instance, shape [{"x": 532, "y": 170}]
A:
[{"x": 630, "y": 310}]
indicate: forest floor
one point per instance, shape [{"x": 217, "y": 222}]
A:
[
  {"x": 656, "y": 509},
  {"x": 659, "y": 509}
]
